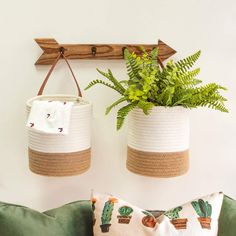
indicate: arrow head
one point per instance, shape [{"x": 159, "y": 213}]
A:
[
  {"x": 50, "y": 47},
  {"x": 165, "y": 51}
]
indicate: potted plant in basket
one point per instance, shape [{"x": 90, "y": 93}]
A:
[{"x": 157, "y": 99}]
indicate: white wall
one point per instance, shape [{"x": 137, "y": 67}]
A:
[{"x": 186, "y": 25}]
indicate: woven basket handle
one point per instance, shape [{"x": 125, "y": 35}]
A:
[{"x": 40, "y": 92}]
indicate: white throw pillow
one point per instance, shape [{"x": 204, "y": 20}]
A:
[
  {"x": 116, "y": 217},
  {"x": 196, "y": 218}
]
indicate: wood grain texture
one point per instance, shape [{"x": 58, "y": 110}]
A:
[{"x": 51, "y": 48}]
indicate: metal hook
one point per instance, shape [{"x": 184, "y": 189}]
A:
[
  {"x": 94, "y": 51},
  {"x": 62, "y": 50},
  {"x": 123, "y": 51}
]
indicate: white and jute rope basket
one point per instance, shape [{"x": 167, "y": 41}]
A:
[
  {"x": 158, "y": 144},
  {"x": 62, "y": 155}
]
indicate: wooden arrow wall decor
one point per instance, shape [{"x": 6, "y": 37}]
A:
[{"x": 51, "y": 48}]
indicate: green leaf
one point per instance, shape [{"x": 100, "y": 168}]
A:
[
  {"x": 132, "y": 64},
  {"x": 122, "y": 99},
  {"x": 94, "y": 82},
  {"x": 112, "y": 79},
  {"x": 186, "y": 63},
  {"x": 122, "y": 113},
  {"x": 145, "y": 106}
]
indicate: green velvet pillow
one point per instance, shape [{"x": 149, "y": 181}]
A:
[
  {"x": 74, "y": 219},
  {"x": 227, "y": 220}
]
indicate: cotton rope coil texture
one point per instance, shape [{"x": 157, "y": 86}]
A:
[
  {"x": 158, "y": 143},
  {"x": 59, "y": 164}
]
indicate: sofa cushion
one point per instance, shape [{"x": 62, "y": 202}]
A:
[
  {"x": 69, "y": 220},
  {"x": 227, "y": 221}
]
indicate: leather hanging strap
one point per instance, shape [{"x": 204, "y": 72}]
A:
[
  {"x": 40, "y": 92},
  {"x": 160, "y": 62}
]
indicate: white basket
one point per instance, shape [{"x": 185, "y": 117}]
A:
[
  {"x": 75, "y": 144},
  {"x": 162, "y": 137}
]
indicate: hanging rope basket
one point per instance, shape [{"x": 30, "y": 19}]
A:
[
  {"x": 62, "y": 155},
  {"x": 158, "y": 144}
]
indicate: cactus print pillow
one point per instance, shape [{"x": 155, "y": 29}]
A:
[
  {"x": 196, "y": 218},
  {"x": 115, "y": 217}
]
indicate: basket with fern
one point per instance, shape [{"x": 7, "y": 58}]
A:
[{"x": 157, "y": 99}]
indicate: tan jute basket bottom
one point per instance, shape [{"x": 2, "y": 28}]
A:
[
  {"x": 162, "y": 165},
  {"x": 59, "y": 164}
]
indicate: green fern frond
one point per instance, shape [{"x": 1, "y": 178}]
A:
[
  {"x": 206, "y": 96},
  {"x": 98, "y": 81},
  {"x": 122, "y": 113},
  {"x": 188, "y": 78},
  {"x": 125, "y": 82},
  {"x": 180, "y": 97},
  {"x": 217, "y": 97},
  {"x": 131, "y": 64},
  {"x": 142, "y": 49},
  {"x": 166, "y": 97},
  {"x": 122, "y": 99},
  {"x": 154, "y": 55},
  {"x": 185, "y": 64},
  {"x": 145, "y": 106},
  {"x": 209, "y": 89},
  {"x": 214, "y": 105},
  {"x": 115, "y": 82}
]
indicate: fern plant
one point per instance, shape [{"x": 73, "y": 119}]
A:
[{"x": 150, "y": 85}]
